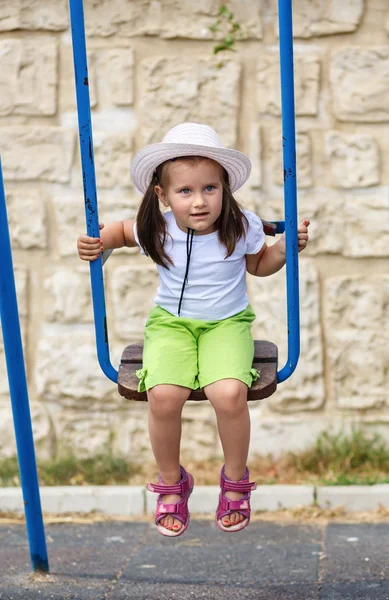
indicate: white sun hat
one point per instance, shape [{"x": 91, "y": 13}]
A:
[{"x": 190, "y": 139}]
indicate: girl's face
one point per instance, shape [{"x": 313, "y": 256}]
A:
[{"x": 194, "y": 192}]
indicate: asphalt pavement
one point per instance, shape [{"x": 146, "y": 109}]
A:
[{"x": 267, "y": 561}]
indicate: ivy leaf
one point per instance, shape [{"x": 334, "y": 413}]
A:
[
  {"x": 229, "y": 41},
  {"x": 223, "y": 46},
  {"x": 232, "y": 30},
  {"x": 223, "y": 10}
]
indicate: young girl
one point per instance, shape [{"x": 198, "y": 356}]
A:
[{"x": 199, "y": 333}]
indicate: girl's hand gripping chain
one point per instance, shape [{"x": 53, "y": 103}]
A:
[{"x": 90, "y": 248}]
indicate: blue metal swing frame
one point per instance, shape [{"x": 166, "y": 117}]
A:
[
  {"x": 8, "y": 301},
  {"x": 290, "y": 187},
  {"x": 13, "y": 347}
]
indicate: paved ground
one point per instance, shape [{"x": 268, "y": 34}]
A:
[{"x": 268, "y": 561}]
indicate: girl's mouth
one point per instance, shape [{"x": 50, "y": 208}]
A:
[{"x": 199, "y": 215}]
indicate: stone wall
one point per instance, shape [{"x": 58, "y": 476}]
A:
[{"x": 151, "y": 67}]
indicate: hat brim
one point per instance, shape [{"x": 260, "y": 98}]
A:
[{"x": 237, "y": 164}]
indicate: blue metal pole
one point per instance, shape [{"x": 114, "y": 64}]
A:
[
  {"x": 89, "y": 181},
  {"x": 19, "y": 395},
  {"x": 290, "y": 186}
]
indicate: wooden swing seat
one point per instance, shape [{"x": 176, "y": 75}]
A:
[{"x": 265, "y": 360}]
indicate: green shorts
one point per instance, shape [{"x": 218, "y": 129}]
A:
[{"x": 194, "y": 353}]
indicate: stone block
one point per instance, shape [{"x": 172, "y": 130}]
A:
[
  {"x": 88, "y": 431},
  {"x": 326, "y": 18},
  {"x": 68, "y": 295},
  {"x": 280, "y": 497},
  {"x": 40, "y": 153},
  {"x": 9, "y": 15},
  {"x": 115, "y": 69},
  {"x": 203, "y": 500},
  {"x": 132, "y": 288},
  {"x": 359, "y": 78},
  {"x": 131, "y": 437},
  {"x": 307, "y": 83},
  {"x": 324, "y": 208},
  {"x": 366, "y": 224},
  {"x": 4, "y": 388},
  {"x": 353, "y": 498},
  {"x": 21, "y": 274},
  {"x": 111, "y": 499},
  {"x": 67, "y": 375},
  {"x": 27, "y": 219},
  {"x": 359, "y": 373},
  {"x": 127, "y": 18},
  {"x": 67, "y": 95},
  {"x": 21, "y": 284},
  {"x": 356, "y": 319},
  {"x": 70, "y": 217},
  {"x": 112, "y": 153},
  {"x": 192, "y": 20},
  {"x": 28, "y": 77},
  {"x": 188, "y": 90},
  {"x": 357, "y": 301},
  {"x": 41, "y": 427},
  {"x": 110, "y": 79},
  {"x": 255, "y": 154},
  {"x": 303, "y": 159},
  {"x": 199, "y": 431},
  {"x": 276, "y": 434},
  {"x": 305, "y": 389},
  {"x": 121, "y": 500},
  {"x": 11, "y": 499},
  {"x": 354, "y": 159},
  {"x": 51, "y": 498},
  {"x": 112, "y": 159},
  {"x": 50, "y": 15},
  {"x": 93, "y": 77},
  {"x": 75, "y": 499}
]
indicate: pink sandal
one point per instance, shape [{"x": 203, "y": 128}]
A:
[
  {"x": 177, "y": 511},
  {"x": 227, "y": 506}
]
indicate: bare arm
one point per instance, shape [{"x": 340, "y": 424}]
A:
[
  {"x": 271, "y": 259},
  {"x": 114, "y": 235},
  {"x": 118, "y": 234},
  {"x": 267, "y": 261}
]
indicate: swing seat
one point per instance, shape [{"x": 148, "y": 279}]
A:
[{"x": 265, "y": 361}]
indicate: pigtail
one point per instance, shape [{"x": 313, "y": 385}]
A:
[
  {"x": 232, "y": 222},
  {"x": 151, "y": 227}
]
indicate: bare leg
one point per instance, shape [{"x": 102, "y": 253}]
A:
[
  {"x": 165, "y": 404},
  {"x": 229, "y": 399}
]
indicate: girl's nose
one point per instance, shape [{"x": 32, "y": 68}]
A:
[{"x": 198, "y": 201}]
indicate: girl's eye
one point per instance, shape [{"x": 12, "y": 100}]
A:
[
  {"x": 185, "y": 190},
  {"x": 209, "y": 188}
]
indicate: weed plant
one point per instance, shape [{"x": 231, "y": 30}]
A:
[{"x": 360, "y": 458}]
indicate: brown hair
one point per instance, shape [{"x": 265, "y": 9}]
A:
[{"x": 151, "y": 225}]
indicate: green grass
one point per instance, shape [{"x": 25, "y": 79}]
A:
[
  {"x": 357, "y": 459},
  {"x": 69, "y": 470}
]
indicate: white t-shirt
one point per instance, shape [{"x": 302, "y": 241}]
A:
[{"x": 216, "y": 287}]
